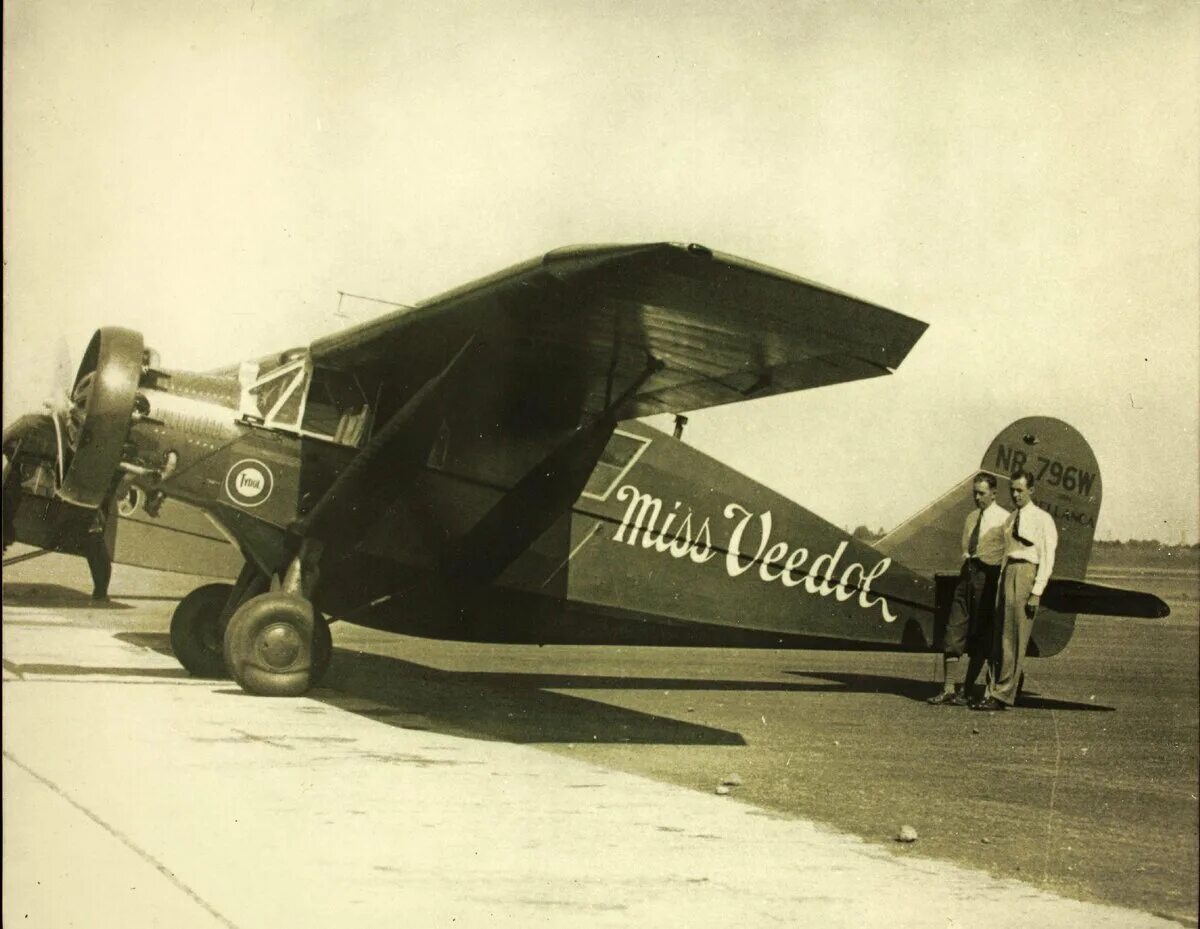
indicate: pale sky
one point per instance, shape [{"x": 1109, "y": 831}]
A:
[{"x": 1021, "y": 176}]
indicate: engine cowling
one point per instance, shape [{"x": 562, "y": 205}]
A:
[{"x": 101, "y": 413}]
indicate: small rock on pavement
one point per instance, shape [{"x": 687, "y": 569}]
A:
[
  {"x": 732, "y": 780},
  {"x": 722, "y": 789},
  {"x": 907, "y": 834}
]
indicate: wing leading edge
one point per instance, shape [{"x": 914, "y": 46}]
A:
[{"x": 578, "y": 326}]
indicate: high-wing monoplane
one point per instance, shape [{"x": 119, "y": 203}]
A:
[{"x": 474, "y": 468}]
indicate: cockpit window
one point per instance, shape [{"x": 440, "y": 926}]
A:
[
  {"x": 290, "y": 394},
  {"x": 336, "y": 407},
  {"x": 277, "y": 393}
]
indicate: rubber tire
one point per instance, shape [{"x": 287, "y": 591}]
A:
[
  {"x": 196, "y": 639},
  {"x": 246, "y": 645}
]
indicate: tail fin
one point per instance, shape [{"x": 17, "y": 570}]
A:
[
  {"x": 1068, "y": 487},
  {"x": 1068, "y": 482},
  {"x": 930, "y": 541}
]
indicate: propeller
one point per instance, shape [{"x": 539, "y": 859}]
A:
[{"x": 94, "y": 423}]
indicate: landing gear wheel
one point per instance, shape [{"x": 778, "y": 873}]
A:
[
  {"x": 196, "y": 634},
  {"x": 272, "y": 645}
]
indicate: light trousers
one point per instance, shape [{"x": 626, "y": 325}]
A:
[{"x": 1012, "y": 630}]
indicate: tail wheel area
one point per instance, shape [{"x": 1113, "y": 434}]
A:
[
  {"x": 196, "y": 633},
  {"x": 276, "y": 645}
]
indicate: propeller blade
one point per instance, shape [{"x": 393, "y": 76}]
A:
[{"x": 59, "y": 451}]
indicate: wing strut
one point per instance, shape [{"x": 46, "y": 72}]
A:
[
  {"x": 538, "y": 499},
  {"x": 345, "y": 511}
]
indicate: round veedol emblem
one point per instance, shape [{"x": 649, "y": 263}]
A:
[{"x": 249, "y": 482}]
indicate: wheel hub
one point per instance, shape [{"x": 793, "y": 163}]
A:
[{"x": 279, "y": 645}]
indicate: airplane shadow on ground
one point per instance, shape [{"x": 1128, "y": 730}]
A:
[
  {"x": 156, "y": 641},
  {"x": 481, "y": 705},
  {"x": 70, "y": 671},
  {"x": 919, "y": 691},
  {"x": 531, "y": 708},
  {"x": 57, "y": 596},
  {"x": 519, "y": 708}
]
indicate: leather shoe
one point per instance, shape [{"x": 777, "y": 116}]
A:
[
  {"x": 947, "y": 698},
  {"x": 989, "y": 705}
]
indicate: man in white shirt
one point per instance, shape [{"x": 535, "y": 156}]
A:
[
  {"x": 970, "y": 628},
  {"x": 1030, "y": 538}
]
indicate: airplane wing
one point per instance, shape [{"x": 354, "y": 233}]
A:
[{"x": 684, "y": 327}]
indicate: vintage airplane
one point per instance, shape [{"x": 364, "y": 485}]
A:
[{"x": 472, "y": 469}]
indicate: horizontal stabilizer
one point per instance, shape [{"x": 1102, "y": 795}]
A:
[{"x": 1067, "y": 596}]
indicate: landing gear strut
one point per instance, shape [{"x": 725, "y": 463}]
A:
[
  {"x": 272, "y": 643},
  {"x": 276, "y": 644},
  {"x": 198, "y": 624}
]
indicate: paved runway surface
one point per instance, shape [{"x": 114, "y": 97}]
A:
[{"x": 441, "y": 784}]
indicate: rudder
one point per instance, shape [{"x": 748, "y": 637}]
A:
[
  {"x": 1068, "y": 487},
  {"x": 1068, "y": 484}
]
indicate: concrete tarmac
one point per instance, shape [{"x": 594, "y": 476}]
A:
[{"x": 135, "y": 795}]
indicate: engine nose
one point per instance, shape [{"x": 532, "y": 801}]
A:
[{"x": 97, "y": 422}]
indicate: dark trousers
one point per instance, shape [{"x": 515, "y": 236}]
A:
[
  {"x": 99, "y": 563},
  {"x": 970, "y": 628}
]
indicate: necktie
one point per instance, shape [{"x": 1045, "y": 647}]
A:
[
  {"x": 973, "y": 542},
  {"x": 1017, "y": 529}
]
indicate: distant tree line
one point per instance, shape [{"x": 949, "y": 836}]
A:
[
  {"x": 1154, "y": 545},
  {"x": 1114, "y": 546},
  {"x": 1143, "y": 554},
  {"x": 868, "y": 535}
]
